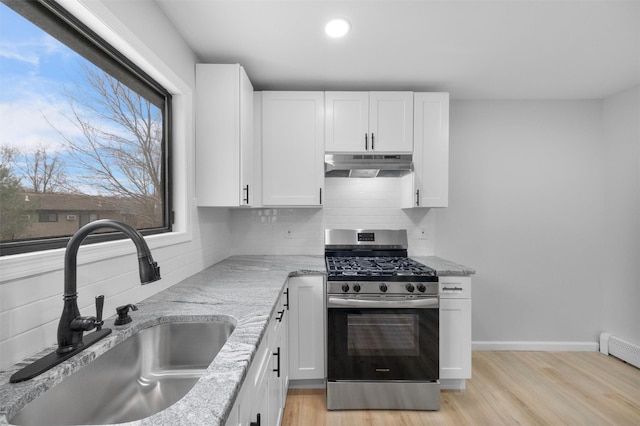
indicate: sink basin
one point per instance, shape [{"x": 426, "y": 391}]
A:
[{"x": 141, "y": 376}]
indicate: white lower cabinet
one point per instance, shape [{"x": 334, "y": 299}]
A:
[
  {"x": 263, "y": 394},
  {"x": 455, "y": 331},
  {"x": 306, "y": 328}
]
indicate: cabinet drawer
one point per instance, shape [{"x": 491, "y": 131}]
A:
[{"x": 451, "y": 287}]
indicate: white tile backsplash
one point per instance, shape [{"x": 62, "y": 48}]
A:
[{"x": 348, "y": 203}]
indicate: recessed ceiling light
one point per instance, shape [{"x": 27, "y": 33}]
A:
[{"x": 337, "y": 27}]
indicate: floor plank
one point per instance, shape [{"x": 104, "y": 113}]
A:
[{"x": 507, "y": 388}]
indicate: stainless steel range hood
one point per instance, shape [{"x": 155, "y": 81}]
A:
[{"x": 367, "y": 165}]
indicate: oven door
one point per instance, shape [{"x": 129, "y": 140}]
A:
[{"x": 383, "y": 338}]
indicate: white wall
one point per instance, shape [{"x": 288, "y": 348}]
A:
[
  {"x": 31, "y": 285},
  {"x": 621, "y": 262},
  {"x": 526, "y": 210},
  {"x": 348, "y": 203}
]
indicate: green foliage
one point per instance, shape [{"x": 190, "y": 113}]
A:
[{"x": 14, "y": 210}]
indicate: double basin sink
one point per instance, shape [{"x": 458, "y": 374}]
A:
[{"x": 143, "y": 375}]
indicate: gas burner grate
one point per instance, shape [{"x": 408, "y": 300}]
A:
[{"x": 376, "y": 266}]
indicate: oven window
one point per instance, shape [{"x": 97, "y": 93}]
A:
[
  {"x": 383, "y": 335},
  {"x": 382, "y": 344}
]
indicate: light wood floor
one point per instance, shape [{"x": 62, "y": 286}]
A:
[{"x": 508, "y": 388}]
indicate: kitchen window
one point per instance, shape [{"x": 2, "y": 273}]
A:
[{"x": 83, "y": 129}]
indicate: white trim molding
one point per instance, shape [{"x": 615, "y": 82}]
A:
[{"x": 537, "y": 346}]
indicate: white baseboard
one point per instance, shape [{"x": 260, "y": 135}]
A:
[{"x": 536, "y": 346}]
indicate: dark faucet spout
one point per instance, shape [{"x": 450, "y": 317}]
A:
[
  {"x": 72, "y": 325},
  {"x": 70, "y": 329}
]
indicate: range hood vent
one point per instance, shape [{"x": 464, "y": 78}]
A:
[{"x": 367, "y": 165}]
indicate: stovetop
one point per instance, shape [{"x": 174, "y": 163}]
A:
[
  {"x": 384, "y": 268},
  {"x": 374, "y": 262}
]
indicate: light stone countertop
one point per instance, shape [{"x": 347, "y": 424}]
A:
[
  {"x": 445, "y": 267},
  {"x": 244, "y": 289}
]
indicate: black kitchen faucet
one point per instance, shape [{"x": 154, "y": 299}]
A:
[{"x": 72, "y": 326}]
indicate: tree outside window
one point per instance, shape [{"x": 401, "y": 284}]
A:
[{"x": 84, "y": 135}]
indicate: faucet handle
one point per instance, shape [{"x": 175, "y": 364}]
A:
[
  {"x": 99, "y": 307},
  {"x": 123, "y": 314}
]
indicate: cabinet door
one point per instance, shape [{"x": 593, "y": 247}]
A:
[
  {"x": 224, "y": 134},
  {"x": 234, "y": 417},
  {"x": 455, "y": 338},
  {"x": 391, "y": 121},
  {"x": 284, "y": 352},
  {"x": 347, "y": 122},
  {"x": 253, "y": 398},
  {"x": 277, "y": 391},
  {"x": 246, "y": 141},
  {"x": 274, "y": 390},
  {"x": 431, "y": 153},
  {"x": 292, "y": 148},
  {"x": 262, "y": 404},
  {"x": 306, "y": 328}
]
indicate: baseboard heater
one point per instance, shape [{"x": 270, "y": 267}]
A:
[{"x": 620, "y": 348}]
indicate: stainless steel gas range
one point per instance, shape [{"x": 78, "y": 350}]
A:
[{"x": 382, "y": 323}]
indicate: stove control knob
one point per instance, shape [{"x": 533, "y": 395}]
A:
[
  {"x": 383, "y": 288},
  {"x": 345, "y": 288},
  {"x": 421, "y": 288},
  {"x": 410, "y": 288},
  {"x": 356, "y": 288}
]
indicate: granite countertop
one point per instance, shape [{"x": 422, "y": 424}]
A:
[
  {"x": 445, "y": 267},
  {"x": 244, "y": 289}
]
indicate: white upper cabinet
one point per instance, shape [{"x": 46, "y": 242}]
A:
[
  {"x": 292, "y": 148},
  {"x": 369, "y": 122},
  {"x": 347, "y": 121},
  {"x": 428, "y": 186},
  {"x": 224, "y": 135}
]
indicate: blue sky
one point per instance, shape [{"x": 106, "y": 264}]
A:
[
  {"x": 34, "y": 69},
  {"x": 37, "y": 73}
]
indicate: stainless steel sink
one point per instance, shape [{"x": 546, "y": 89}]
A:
[{"x": 141, "y": 376}]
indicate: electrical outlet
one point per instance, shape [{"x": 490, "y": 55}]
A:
[
  {"x": 288, "y": 234},
  {"x": 423, "y": 233}
]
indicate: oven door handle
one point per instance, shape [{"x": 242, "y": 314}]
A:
[{"x": 338, "y": 302}]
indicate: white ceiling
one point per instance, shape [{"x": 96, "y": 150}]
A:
[{"x": 508, "y": 49}]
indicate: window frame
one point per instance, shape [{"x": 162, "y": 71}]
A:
[{"x": 66, "y": 21}]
